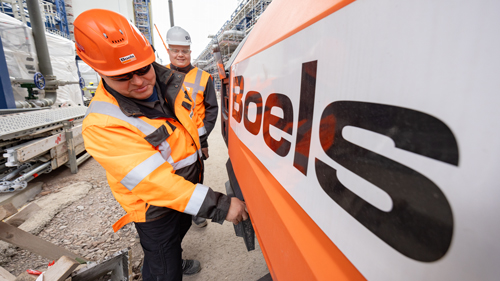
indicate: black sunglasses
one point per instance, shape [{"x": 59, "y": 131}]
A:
[{"x": 129, "y": 75}]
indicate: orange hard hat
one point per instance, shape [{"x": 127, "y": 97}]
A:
[{"x": 110, "y": 44}]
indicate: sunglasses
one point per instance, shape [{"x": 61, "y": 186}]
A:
[{"x": 129, "y": 75}]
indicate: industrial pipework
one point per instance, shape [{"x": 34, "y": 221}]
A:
[
  {"x": 42, "y": 51},
  {"x": 171, "y": 12}
]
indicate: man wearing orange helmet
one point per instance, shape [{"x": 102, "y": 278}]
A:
[
  {"x": 140, "y": 126},
  {"x": 200, "y": 87}
]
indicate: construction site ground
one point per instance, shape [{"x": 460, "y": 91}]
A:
[{"x": 78, "y": 211}]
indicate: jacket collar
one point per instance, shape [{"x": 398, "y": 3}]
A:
[{"x": 184, "y": 70}]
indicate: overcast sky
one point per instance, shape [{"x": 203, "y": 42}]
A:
[{"x": 199, "y": 18}]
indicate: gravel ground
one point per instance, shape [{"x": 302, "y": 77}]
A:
[{"x": 84, "y": 227}]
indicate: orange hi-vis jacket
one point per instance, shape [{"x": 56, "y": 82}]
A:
[
  {"x": 195, "y": 83},
  {"x": 152, "y": 158}
]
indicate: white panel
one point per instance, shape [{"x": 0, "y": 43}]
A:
[
  {"x": 440, "y": 58},
  {"x": 124, "y": 7}
]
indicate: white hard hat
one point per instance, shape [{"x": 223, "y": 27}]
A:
[{"x": 178, "y": 36}]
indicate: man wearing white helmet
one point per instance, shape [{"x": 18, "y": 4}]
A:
[{"x": 200, "y": 87}]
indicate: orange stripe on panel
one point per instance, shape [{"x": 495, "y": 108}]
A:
[
  {"x": 294, "y": 247},
  {"x": 282, "y": 19}
]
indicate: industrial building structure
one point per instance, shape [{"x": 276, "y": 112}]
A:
[
  {"x": 58, "y": 15},
  {"x": 143, "y": 18},
  {"x": 230, "y": 35}
]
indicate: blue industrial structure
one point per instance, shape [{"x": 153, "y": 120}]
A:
[
  {"x": 143, "y": 18},
  {"x": 7, "y": 96},
  {"x": 58, "y": 23},
  {"x": 53, "y": 14}
]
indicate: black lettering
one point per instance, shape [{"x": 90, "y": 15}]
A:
[
  {"x": 306, "y": 110},
  {"x": 420, "y": 224},
  {"x": 238, "y": 81},
  {"x": 282, "y": 146},
  {"x": 253, "y": 97}
]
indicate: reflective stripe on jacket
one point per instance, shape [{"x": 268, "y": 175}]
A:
[
  {"x": 151, "y": 163},
  {"x": 195, "y": 83}
]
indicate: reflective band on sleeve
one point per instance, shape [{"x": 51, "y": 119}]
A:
[
  {"x": 165, "y": 151},
  {"x": 194, "y": 204},
  {"x": 184, "y": 162},
  {"x": 112, "y": 110},
  {"x": 146, "y": 167},
  {"x": 202, "y": 131}
]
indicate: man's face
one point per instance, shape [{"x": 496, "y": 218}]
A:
[
  {"x": 138, "y": 87},
  {"x": 180, "y": 56}
]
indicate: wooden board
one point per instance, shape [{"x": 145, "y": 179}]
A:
[
  {"x": 61, "y": 269},
  {"x": 7, "y": 210},
  {"x": 32, "y": 243},
  {"x": 41, "y": 146},
  {"x": 24, "y": 214},
  {"x": 5, "y": 275},
  {"x": 19, "y": 198}
]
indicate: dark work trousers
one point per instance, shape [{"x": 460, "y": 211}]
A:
[{"x": 161, "y": 242}]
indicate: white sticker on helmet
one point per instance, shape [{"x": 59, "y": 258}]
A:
[{"x": 127, "y": 59}]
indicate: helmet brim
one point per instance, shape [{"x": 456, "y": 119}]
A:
[{"x": 179, "y": 43}]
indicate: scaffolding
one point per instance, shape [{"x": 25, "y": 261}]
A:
[
  {"x": 70, "y": 17},
  {"x": 55, "y": 17},
  {"x": 230, "y": 35},
  {"x": 53, "y": 14},
  {"x": 143, "y": 18}
]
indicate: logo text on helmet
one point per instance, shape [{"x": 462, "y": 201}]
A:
[{"x": 127, "y": 59}]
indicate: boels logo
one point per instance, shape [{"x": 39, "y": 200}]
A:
[
  {"x": 127, "y": 59},
  {"x": 420, "y": 223}
]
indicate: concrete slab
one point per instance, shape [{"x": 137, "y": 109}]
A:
[{"x": 52, "y": 204}]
